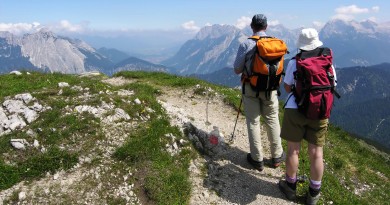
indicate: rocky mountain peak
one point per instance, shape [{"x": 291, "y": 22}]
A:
[
  {"x": 348, "y": 28},
  {"x": 6, "y": 34},
  {"x": 215, "y": 31},
  {"x": 44, "y": 34},
  {"x": 336, "y": 27},
  {"x": 9, "y": 37}
]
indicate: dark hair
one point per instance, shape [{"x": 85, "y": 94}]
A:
[
  {"x": 259, "y": 22},
  {"x": 258, "y": 27}
]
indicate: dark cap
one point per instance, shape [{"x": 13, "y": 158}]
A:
[{"x": 259, "y": 21}]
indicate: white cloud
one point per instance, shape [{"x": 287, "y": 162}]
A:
[
  {"x": 66, "y": 25},
  {"x": 273, "y": 23},
  {"x": 375, "y": 8},
  {"x": 191, "y": 26},
  {"x": 373, "y": 18},
  {"x": 63, "y": 26},
  {"x": 344, "y": 17},
  {"x": 243, "y": 21},
  {"x": 348, "y": 13},
  {"x": 318, "y": 25},
  {"x": 352, "y": 9},
  {"x": 208, "y": 24},
  {"x": 20, "y": 28}
]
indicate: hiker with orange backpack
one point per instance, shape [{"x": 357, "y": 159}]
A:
[
  {"x": 261, "y": 66},
  {"x": 310, "y": 81}
]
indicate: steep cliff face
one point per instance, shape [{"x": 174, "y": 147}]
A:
[
  {"x": 48, "y": 52},
  {"x": 11, "y": 57},
  {"x": 213, "y": 48}
]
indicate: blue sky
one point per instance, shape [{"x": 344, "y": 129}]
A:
[
  {"x": 127, "y": 15},
  {"x": 129, "y": 25}
]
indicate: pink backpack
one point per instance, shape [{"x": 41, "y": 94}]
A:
[{"x": 314, "y": 87}]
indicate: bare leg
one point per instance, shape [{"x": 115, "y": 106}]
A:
[
  {"x": 316, "y": 162},
  {"x": 292, "y": 160}
]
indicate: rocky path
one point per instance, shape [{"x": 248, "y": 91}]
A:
[{"x": 229, "y": 180}]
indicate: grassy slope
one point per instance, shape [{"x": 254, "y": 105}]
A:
[{"x": 350, "y": 164}]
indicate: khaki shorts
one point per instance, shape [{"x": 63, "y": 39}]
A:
[{"x": 296, "y": 127}]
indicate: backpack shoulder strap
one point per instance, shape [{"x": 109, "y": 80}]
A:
[
  {"x": 314, "y": 53},
  {"x": 259, "y": 37}
]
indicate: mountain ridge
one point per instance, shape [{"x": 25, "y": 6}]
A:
[
  {"x": 353, "y": 44},
  {"x": 213, "y": 48},
  {"x": 46, "y": 52}
]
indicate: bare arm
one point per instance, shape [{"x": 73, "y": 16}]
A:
[
  {"x": 287, "y": 87},
  {"x": 239, "y": 62}
]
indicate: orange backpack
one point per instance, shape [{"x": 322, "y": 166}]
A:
[{"x": 267, "y": 64}]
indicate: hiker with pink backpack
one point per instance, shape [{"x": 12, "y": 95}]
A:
[{"x": 310, "y": 80}]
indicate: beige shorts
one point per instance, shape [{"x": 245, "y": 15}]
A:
[{"x": 296, "y": 127}]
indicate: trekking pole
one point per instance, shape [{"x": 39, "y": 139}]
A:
[{"x": 235, "y": 124}]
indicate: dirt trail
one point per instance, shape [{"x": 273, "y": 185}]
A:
[{"x": 230, "y": 180}]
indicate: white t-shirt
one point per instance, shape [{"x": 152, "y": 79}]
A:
[{"x": 289, "y": 80}]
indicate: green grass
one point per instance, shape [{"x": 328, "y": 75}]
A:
[
  {"x": 162, "y": 79},
  {"x": 349, "y": 164},
  {"x": 230, "y": 96},
  {"x": 165, "y": 178},
  {"x": 9, "y": 175},
  {"x": 35, "y": 166},
  {"x": 15, "y": 84},
  {"x": 55, "y": 128},
  {"x": 50, "y": 161},
  {"x": 356, "y": 164}
]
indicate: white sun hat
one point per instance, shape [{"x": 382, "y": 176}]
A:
[{"x": 308, "y": 39}]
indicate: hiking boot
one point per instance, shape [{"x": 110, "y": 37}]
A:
[
  {"x": 312, "y": 200},
  {"x": 276, "y": 162},
  {"x": 287, "y": 191},
  {"x": 257, "y": 165}
]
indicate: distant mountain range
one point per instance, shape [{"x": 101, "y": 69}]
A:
[
  {"x": 114, "y": 55},
  {"x": 47, "y": 52},
  {"x": 357, "y": 43},
  {"x": 215, "y": 47},
  {"x": 133, "y": 64},
  {"x": 363, "y": 108}
]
